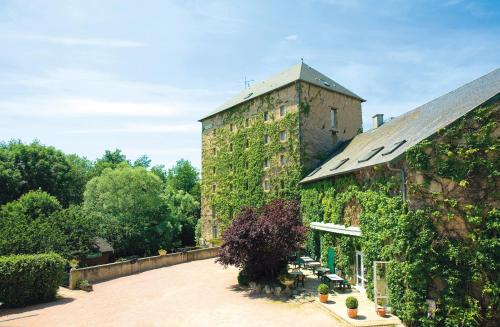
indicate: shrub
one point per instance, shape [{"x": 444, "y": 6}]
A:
[
  {"x": 351, "y": 302},
  {"x": 323, "y": 289},
  {"x": 30, "y": 278},
  {"x": 261, "y": 241},
  {"x": 243, "y": 278}
]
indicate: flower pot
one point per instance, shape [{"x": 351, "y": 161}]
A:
[
  {"x": 381, "y": 312},
  {"x": 323, "y": 298},
  {"x": 352, "y": 313}
]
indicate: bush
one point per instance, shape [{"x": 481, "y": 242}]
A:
[
  {"x": 323, "y": 289},
  {"x": 243, "y": 279},
  {"x": 351, "y": 302},
  {"x": 28, "y": 279},
  {"x": 261, "y": 241}
]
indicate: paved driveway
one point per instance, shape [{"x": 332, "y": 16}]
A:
[{"x": 199, "y": 293}]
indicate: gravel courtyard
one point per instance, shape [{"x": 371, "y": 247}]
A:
[{"x": 198, "y": 293}]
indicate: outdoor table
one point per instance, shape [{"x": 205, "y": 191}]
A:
[
  {"x": 296, "y": 275},
  {"x": 312, "y": 265},
  {"x": 321, "y": 271},
  {"x": 335, "y": 279},
  {"x": 305, "y": 260}
]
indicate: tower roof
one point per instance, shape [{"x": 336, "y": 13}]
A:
[{"x": 297, "y": 72}]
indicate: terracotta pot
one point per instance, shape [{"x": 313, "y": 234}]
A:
[
  {"x": 323, "y": 298},
  {"x": 352, "y": 313},
  {"x": 381, "y": 312}
]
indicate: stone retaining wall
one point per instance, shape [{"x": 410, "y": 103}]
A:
[{"x": 119, "y": 269}]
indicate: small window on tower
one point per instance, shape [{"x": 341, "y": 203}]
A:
[
  {"x": 247, "y": 122},
  {"x": 282, "y": 136},
  {"x": 266, "y": 163},
  {"x": 231, "y": 127},
  {"x": 267, "y": 185},
  {"x": 214, "y": 151},
  {"x": 266, "y": 116},
  {"x": 282, "y": 184},
  {"x": 333, "y": 117},
  {"x": 282, "y": 110},
  {"x": 267, "y": 139},
  {"x": 214, "y": 188},
  {"x": 231, "y": 168},
  {"x": 247, "y": 143},
  {"x": 282, "y": 159},
  {"x": 213, "y": 170},
  {"x": 230, "y": 147}
]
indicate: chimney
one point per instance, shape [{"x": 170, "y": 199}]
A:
[{"x": 378, "y": 120}]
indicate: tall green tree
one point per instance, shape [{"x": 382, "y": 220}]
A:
[
  {"x": 183, "y": 176},
  {"x": 110, "y": 159},
  {"x": 26, "y": 167},
  {"x": 186, "y": 209},
  {"x": 137, "y": 219}
]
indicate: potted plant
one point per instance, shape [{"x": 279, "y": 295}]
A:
[
  {"x": 323, "y": 292},
  {"x": 381, "y": 311},
  {"x": 85, "y": 285},
  {"x": 162, "y": 251},
  {"x": 352, "y": 306}
]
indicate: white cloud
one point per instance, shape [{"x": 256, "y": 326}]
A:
[
  {"x": 93, "y": 42},
  {"x": 141, "y": 129},
  {"x": 291, "y": 37}
]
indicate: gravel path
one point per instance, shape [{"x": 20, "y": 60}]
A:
[{"x": 199, "y": 293}]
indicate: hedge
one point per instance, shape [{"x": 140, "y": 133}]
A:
[{"x": 30, "y": 278}]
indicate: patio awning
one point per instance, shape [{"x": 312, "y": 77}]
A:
[{"x": 337, "y": 229}]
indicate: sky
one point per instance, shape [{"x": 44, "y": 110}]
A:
[{"x": 91, "y": 75}]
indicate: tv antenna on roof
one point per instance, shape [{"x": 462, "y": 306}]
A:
[{"x": 247, "y": 82}]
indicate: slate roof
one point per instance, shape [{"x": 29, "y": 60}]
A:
[
  {"x": 297, "y": 72},
  {"x": 411, "y": 127},
  {"x": 103, "y": 245}
]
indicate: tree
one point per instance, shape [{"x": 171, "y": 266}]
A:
[
  {"x": 261, "y": 241},
  {"x": 142, "y": 161},
  {"x": 110, "y": 159},
  {"x": 186, "y": 209},
  {"x": 37, "y": 223},
  {"x": 136, "y": 218},
  {"x": 26, "y": 167},
  {"x": 183, "y": 176}
]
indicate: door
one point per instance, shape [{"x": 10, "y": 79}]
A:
[{"x": 360, "y": 271}]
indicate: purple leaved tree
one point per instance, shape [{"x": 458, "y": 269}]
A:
[{"x": 260, "y": 241}]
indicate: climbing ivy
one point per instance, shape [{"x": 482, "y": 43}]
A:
[
  {"x": 443, "y": 244},
  {"x": 240, "y": 155}
]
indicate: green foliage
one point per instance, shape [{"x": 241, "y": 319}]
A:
[
  {"x": 26, "y": 167},
  {"x": 184, "y": 177},
  {"x": 323, "y": 289},
  {"x": 136, "y": 219},
  {"x": 459, "y": 271},
  {"x": 351, "y": 302},
  {"x": 36, "y": 223},
  {"x": 186, "y": 210},
  {"x": 243, "y": 278},
  {"x": 28, "y": 279},
  {"x": 239, "y": 160}
]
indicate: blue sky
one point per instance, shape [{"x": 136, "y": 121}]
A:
[{"x": 86, "y": 76}]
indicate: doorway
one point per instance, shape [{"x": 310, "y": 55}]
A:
[{"x": 360, "y": 272}]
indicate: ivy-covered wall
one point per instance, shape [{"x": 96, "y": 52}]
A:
[
  {"x": 237, "y": 143},
  {"x": 443, "y": 243}
]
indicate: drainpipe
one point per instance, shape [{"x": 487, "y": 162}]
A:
[{"x": 403, "y": 179}]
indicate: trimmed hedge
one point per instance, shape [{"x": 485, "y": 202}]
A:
[{"x": 30, "y": 278}]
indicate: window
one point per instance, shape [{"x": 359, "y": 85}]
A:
[
  {"x": 214, "y": 188},
  {"x": 282, "y": 184},
  {"x": 282, "y": 159},
  {"x": 214, "y": 151},
  {"x": 247, "y": 143},
  {"x": 266, "y": 185},
  {"x": 282, "y": 136},
  {"x": 214, "y": 231},
  {"x": 230, "y": 147},
  {"x": 340, "y": 163},
  {"x": 393, "y": 147},
  {"x": 267, "y": 139},
  {"x": 213, "y": 170},
  {"x": 370, "y": 154},
  {"x": 231, "y": 127},
  {"x": 333, "y": 116},
  {"x": 266, "y": 163},
  {"x": 231, "y": 168},
  {"x": 247, "y": 122},
  {"x": 282, "y": 110},
  {"x": 246, "y": 185},
  {"x": 266, "y": 116}
]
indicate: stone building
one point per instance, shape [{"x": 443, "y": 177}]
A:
[
  {"x": 259, "y": 144},
  {"x": 417, "y": 198}
]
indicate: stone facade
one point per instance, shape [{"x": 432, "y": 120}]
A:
[{"x": 308, "y": 139}]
